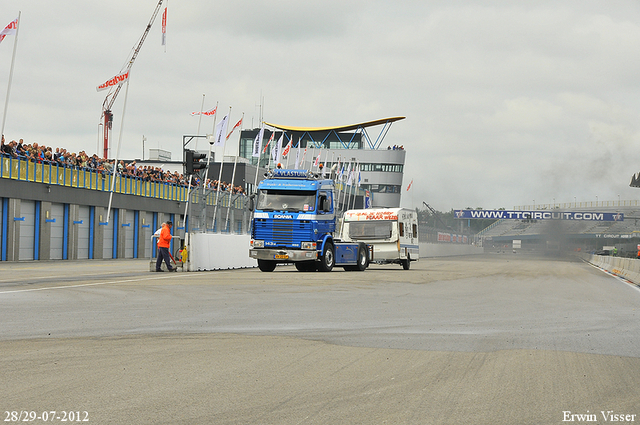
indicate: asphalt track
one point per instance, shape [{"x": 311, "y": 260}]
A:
[{"x": 496, "y": 339}]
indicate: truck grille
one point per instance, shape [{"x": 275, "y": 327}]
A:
[{"x": 283, "y": 232}]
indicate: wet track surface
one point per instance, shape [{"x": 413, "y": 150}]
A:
[{"x": 508, "y": 321}]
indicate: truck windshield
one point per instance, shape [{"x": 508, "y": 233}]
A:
[
  {"x": 369, "y": 230},
  {"x": 286, "y": 200}
]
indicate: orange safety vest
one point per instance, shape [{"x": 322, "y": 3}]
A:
[{"x": 164, "y": 240}]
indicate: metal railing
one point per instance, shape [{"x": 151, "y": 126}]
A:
[
  {"x": 583, "y": 204},
  {"x": 84, "y": 178}
]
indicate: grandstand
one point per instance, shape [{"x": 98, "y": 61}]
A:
[{"x": 569, "y": 235}]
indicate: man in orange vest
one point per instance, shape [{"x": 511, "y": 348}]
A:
[{"x": 164, "y": 242}]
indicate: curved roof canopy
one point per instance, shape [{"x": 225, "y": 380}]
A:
[{"x": 339, "y": 128}]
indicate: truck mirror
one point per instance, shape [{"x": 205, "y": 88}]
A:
[
  {"x": 321, "y": 202},
  {"x": 326, "y": 205}
]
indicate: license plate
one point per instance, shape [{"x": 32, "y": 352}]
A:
[{"x": 281, "y": 257}]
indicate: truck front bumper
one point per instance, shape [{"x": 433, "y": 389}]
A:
[{"x": 283, "y": 255}]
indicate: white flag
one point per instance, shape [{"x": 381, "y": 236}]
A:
[
  {"x": 349, "y": 175},
  {"x": 257, "y": 143},
  {"x": 298, "y": 155},
  {"x": 286, "y": 150},
  {"x": 115, "y": 81},
  {"x": 221, "y": 131},
  {"x": 304, "y": 153},
  {"x": 278, "y": 149},
  {"x": 10, "y": 29}
]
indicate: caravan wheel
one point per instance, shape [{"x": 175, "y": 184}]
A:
[{"x": 406, "y": 263}]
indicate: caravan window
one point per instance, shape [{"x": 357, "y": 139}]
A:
[
  {"x": 401, "y": 229},
  {"x": 370, "y": 230}
]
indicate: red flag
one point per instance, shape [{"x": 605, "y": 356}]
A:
[
  {"x": 238, "y": 124},
  {"x": 164, "y": 27},
  {"x": 207, "y": 113},
  {"x": 285, "y": 152},
  {"x": 409, "y": 187},
  {"x": 9, "y": 29},
  {"x": 269, "y": 142}
]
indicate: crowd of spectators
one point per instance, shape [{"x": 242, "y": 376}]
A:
[{"x": 61, "y": 157}]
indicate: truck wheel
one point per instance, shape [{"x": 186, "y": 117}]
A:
[
  {"x": 363, "y": 259},
  {"x": 406, "y": 263},
  {"x": 266, "y": 265},
  {"x": 328, "y": 259},
  {"x": 306, "y": 266}
]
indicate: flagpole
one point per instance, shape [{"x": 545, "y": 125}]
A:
[
  {"x": 353, "y": 172},
  {"x": 199, "y": 121},
  {"x": 215, "y": 118},
  {"x": 206, "y": 173},
  {"x": 270, "y": 153},
  {"x": 233, "y": 175},
  {"x": 344, "y": 191},
  {"x": 115, "y": 161},
  {"x": 412, "y": 203},
  {"x": 297, "y": 161},
  {"x": 290, "y": 144},
  {"x": 13, "y": 58},
  {"x": 164, "y": 26},
  {"x": 186, "y": 207},
  {"x": 255, "y": 183},
  {"x": 215, "y": 210}
]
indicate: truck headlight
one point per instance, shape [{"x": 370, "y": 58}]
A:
[
  {"x": 257, "y": 243},
  {"x": 308, "y": 245}
]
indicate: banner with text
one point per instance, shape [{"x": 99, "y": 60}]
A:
[{"x": 538, "y": 215}]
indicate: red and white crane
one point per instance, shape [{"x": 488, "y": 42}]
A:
[{"x": 107, "y": 115}]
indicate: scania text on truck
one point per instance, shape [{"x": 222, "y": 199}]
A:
[{"x": 294, "y": 221}]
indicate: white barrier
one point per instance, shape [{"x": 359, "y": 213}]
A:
[
  {"x": 446, "y": 249},
  {"x": 215, "y": 251},
  {"x": 628, "y": 268}
]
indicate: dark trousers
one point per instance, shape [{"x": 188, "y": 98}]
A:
[{"x": 163, "y": 254}]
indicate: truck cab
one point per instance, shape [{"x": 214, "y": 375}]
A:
[{"x": 294, "y": 222}]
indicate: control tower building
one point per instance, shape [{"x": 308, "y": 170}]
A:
[{"x": 381, "y": 165}]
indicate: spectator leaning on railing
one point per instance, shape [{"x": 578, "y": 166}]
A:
[{"x": 62, "y": 158}]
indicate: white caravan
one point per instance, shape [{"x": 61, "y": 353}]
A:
[{"x": 392, "y": 233}]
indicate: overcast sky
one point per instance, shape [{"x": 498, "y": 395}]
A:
[{"x": 507, "y": 102}]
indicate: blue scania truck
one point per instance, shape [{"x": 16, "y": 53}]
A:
[{"x": 294, "y": 221}]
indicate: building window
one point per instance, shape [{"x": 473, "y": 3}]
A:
[
  {"x": 383, "y": 168},
  {"x": 381, "y": 188}
]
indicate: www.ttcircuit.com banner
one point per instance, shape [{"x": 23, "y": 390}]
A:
[{"x": 538, "y": 215}]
